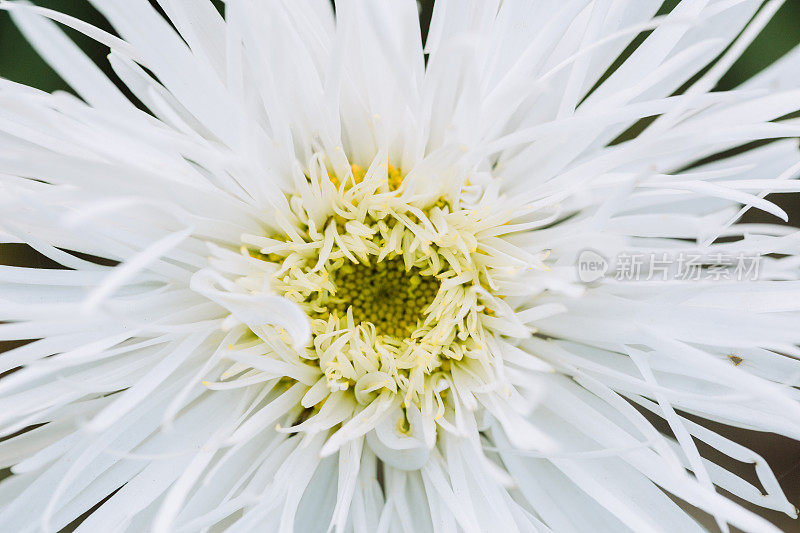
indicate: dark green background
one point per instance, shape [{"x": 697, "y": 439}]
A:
[{"x": 20, "y": 63}]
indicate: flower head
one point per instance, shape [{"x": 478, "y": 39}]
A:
[{"x": 318, "y": 277}]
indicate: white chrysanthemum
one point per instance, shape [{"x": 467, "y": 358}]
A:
[{"x": 346, "y": 294}]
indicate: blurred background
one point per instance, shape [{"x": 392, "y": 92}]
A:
[{"x": 20, "y": 63}]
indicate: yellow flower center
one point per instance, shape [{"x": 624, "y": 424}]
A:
[
  {"x": 393, "y": 286},
  {"x": 384, "y": 294}
]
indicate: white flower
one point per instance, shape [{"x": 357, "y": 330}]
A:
[{"x": 342, "y": 289}]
